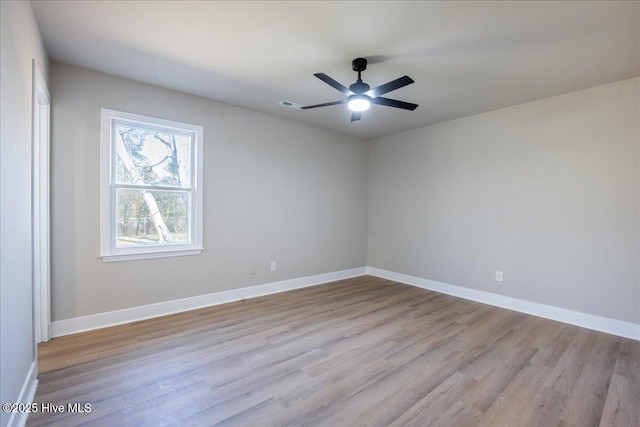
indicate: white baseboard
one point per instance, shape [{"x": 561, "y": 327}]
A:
[
  {"x": 118, "y": 317},
  {"x": 128, "y": 315},
  {"x": 28, "y": 392},
  {"x": 589, "y": 321}
]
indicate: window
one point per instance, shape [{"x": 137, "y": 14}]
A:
[{"x": 151, "y": 187}]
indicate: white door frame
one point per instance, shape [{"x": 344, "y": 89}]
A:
[{"x": 40, "y": 220}]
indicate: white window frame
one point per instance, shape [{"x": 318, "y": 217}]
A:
[{"x": 108, "y": 250}]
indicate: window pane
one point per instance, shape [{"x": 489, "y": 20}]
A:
[
  {"x": 152, "y": 157},
  {"x": 151, "y": 217}
]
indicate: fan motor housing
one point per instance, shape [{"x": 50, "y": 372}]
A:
[{"x": 359, "y": 87}]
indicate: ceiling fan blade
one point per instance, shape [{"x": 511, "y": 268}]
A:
[
  {"x": 326, "y": 104},
  {"x": 394, "y": 103},
  {"x": 334, "y": 84},
  {"x": 355, "y": 116},
  {"x": 388, "y": 87}
]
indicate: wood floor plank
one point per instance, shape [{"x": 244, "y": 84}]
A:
[
  {"x": 514, "y": 405},
  {"x": 622, "y": 406},
  {"x": 550, "y": 352},
  {"x": 435, "y": 404},
  {"x": 587, "y": 400},
  {"x": 567, "y": 371},
  {"x": 386, "y": 399},
  {"x": 362, "y": 351},
  {"x": 332, "y": 391},
  {"x": 487, "y": 389},
  {"x": 628, "y": 361}
]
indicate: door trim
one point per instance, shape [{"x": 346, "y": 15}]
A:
[{"x": 41, "y": 207}]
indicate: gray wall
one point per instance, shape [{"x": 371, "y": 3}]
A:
[
  {"x": 547, "y": 192},
  {"x": 273, "y": 190},
  {"x": 20, "y": 43}
]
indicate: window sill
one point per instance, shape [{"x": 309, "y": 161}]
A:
[{"x": 150, "y": 255}]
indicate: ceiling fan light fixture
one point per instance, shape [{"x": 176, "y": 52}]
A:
[
  {"x": 359, "y": 103},
  {"x": 359, "y": 96}
]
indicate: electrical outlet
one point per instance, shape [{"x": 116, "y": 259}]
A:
[
  {"x": 253, "y": 269},
  {"x": 498, "y": 276},
  {"x": 274, "y": 266}
]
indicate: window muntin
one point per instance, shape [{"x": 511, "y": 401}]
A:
[{"x": 151, "y": 194}]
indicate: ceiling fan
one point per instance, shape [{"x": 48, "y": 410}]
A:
[{"x": 359, "y": 96}]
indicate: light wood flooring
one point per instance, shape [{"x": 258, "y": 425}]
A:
[{"x": 358, "y": 352}]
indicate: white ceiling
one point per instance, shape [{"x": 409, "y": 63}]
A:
[{"x": 466, "y": 57}]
